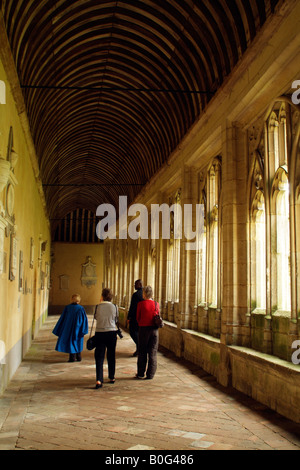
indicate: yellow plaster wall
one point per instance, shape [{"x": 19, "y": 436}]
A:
[
  {"x": 67, "y": 259},
  {"x": 21, "y": 311}
]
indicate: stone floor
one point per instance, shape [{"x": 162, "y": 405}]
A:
[{"x": 51, "y": 404}]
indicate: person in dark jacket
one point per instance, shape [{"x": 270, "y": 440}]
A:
[
  {"x": 131, "y": 318},
  {"x": 71, "y": 328}
]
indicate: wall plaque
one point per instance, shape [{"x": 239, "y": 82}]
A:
[{"x": 88, "y": 273}]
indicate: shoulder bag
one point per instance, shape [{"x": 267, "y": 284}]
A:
[
  {"x": 91, "y": 342},
  {"x": 157, "y": 319}
]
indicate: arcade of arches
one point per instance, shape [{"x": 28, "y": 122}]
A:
[{"x": 181, "y": 102}]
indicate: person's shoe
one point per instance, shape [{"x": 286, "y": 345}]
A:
[
  {"x": 98, "y": 385},
  {"x": 112, "y": 381},
  {"x": 138, "y": 377}
]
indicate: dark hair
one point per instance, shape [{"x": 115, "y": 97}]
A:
[
  {"x": 107, "y": 294},
  {"x": 138, "y": 284}
]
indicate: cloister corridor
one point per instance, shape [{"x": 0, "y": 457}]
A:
[
  {"x": 155, "y": 141},
  {"x": 51, "y": 404}
]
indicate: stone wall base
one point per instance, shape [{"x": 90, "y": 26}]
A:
[{"x": 271, "y": 381}]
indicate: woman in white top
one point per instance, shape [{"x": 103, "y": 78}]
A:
[{"x": 107, "y": 317}]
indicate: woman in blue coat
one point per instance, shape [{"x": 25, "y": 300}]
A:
[{"x": 71, "y": 328}]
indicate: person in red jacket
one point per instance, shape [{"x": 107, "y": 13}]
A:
[{"x": 148, "y": 335}]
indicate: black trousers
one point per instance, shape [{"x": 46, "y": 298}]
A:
[
  {"x": 134, "y": 331},
  {"x": 105, "y": 342},
  {"x": 148, "y": 346},
  {"x": 76, "y": 356}
]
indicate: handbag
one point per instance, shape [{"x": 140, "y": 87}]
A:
[
  {"x": 157, "y": 319},
  {"x": 91, "y": 342}
]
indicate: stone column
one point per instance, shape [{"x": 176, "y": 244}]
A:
[
  {"x": 128, "y": 275},
  {"x": 234, "y": 324},
  {"x": 161, "y": 261},
  {"x": 188, "y": 257}
]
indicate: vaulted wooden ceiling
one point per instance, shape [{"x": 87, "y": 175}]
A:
[{"x": 111, "y": 87}]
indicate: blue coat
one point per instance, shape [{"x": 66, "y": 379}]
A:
[{"x": 70, "y": 329}]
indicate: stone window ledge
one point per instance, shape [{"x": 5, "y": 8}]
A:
[
  {"x": 204, "y": 336},
  {"x": 262, "y": 358},
  {"x": 278, "y": 313},
  {"x": 169, "y": 323}
]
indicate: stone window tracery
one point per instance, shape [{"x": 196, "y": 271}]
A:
[
  {"x": 282, "y": 248},
  {"x": 258, "y": 251},
  {"x": 270, "y": 221},
  {"x": 208, "y": 242},
  {"x": 212, "y": 210},
  {"x": 201, "y": 259},
  {"x": 173, "y": 261}
]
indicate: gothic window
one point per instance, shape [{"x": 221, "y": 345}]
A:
[
  {"x": 213, "y": 232},
  {"x": 278, "y": 144},
  {"x": 173, "y": 270},
  {"x": 208, "y": 241},
  {"x": 201, "y": 259},
  {"x": 273, "y": 141},
  {"x": 282, "y": 239},
  {"x": 173, "y": 263},
  {"x": 258, "y": 252},
  {"x": 270, "y": 243}
]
